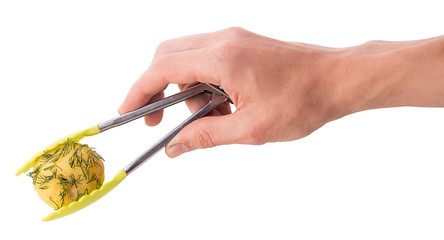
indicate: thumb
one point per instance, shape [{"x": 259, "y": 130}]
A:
[{"x": 207, "y": 132}]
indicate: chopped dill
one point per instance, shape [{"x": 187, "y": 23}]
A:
[
  {"x": 57, "y": 206},
  {"x": 98, "y": 183},
  {"x": 93, "y": 178},
  {"x": 77, "y": 160},
  {"x": 34, "y": 174}
]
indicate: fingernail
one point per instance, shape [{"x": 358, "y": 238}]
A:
[{"x": 176, "y": 150}]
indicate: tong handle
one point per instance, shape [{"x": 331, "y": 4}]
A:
[
  {"x": 152, "y": 107},
  {"x": 216, "y": 100}
]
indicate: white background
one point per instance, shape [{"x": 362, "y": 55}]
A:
[{"x": 65, "y": 66}]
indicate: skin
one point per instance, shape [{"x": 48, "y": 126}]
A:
[{"x": 284, "y": 91}]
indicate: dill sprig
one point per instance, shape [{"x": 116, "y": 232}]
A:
[
  {"x": 34, "y": 174},
  {"x": 52, "y": 200},
  {"x": 67, "y": 184},
  {"x": 79, "y": 195},
  {"x": 42, "y": 179},
  {"x": 67, "y": 147}
]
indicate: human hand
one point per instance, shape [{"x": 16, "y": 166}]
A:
[
  {"x": 282, "y": 91},
  {"x": 276, "y": 87}
]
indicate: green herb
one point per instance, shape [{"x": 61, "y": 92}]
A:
[
  {"x": 77, "y": 160},
  {"x": 80, "y": 195},
  {"x": 42, "y": 179},
  {"x": 34, "y": 174},
  {"x": 57, "y": 206}
]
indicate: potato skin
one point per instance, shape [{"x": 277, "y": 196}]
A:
[{"x": 66, "y": 173}]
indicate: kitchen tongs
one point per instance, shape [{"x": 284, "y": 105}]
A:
[{"x": 218, "y": 96}]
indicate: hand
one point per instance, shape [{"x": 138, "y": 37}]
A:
[
  {"x": 282, "y": 91},
  {"x": 275, "y": 86}
]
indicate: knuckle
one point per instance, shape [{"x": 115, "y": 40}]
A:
[
  {"x": 225, "y": 49},
  {"x": 161, "y": 60},
  {"x": 163, "y": 47},
  {"x": 231, "y": 47},
  {"x": 234, "y": 32},
  {"x": 373, "y": 43},
  {"x": 231, "y": 43},
  {"x": 162, "y": 54},
  {"x": 228, "y": 53},
  {"x": 203, "y": 138}
]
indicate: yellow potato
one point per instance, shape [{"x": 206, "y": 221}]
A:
[{"x": 66, "y": 173}]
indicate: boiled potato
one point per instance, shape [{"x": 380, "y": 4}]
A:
[{"x": 66, "y": 173}]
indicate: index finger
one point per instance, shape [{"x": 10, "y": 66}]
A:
[
  {"x": 178, "y": 67},
  {"x": 140, "y": 94}
]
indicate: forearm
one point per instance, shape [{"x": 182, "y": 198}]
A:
[{"x": 390, "y": 74}]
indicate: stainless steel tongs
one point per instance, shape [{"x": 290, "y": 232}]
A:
[{"x": 218, "y": 96}]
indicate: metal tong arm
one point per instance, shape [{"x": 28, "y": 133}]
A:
[
  {"x": 161, "y": 104},
  {"x": 216, "y": 100}
]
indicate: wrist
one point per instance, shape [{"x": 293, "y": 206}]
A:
[{"x": 381, "y": 74}]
